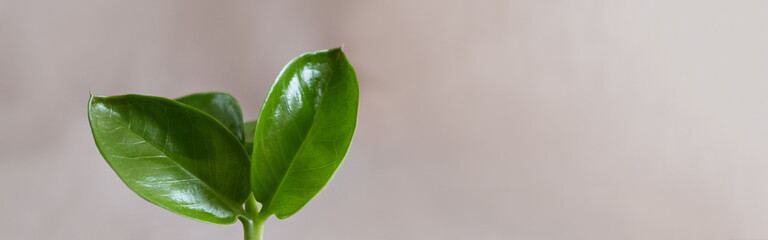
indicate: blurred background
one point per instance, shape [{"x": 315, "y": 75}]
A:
[{"x": 478, "y": 119}]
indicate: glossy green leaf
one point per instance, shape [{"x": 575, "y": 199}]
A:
[
  {"x": 222, "y": 106},
  {"x": 172, "y": 155},
  {"x": 304, "y": 131},
  {"x": 250, "y": 128}
]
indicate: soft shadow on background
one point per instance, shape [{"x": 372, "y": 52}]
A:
[{"x": 478, "y": 119}]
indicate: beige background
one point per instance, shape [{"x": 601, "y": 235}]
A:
[{"x": 478, "y": 119}]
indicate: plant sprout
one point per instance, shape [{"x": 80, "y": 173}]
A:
[{"x": 195, "y": 156}]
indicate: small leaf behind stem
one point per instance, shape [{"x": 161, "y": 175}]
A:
[{"x": 222, "y": 106}]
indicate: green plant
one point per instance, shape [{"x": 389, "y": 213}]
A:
[{"x": 195, "y": 157}]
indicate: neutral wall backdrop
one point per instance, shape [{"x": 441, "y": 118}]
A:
[{"x": 478, "y": 119}]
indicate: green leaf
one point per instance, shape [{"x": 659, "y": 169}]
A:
[
  {"x": 172, "y": 155},
  {"x": 222, "y": 106},
  {"x": 250, "y": 128},
  {"x": 303, "y": 131}
]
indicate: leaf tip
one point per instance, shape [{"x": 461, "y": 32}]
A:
[
  {"x": 93, "y": 96},
  {"x": 336, "y": 50},
  {"x": 90, "y": 97}
]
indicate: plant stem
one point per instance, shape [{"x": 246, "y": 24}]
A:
[
  {"x": 253, "y": 223},
  {"x": 248, "y": 229}
]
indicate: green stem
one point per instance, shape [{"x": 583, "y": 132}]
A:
[
  {"x": 248, "y": 229},
  {"x": 253, "y": 223}
]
